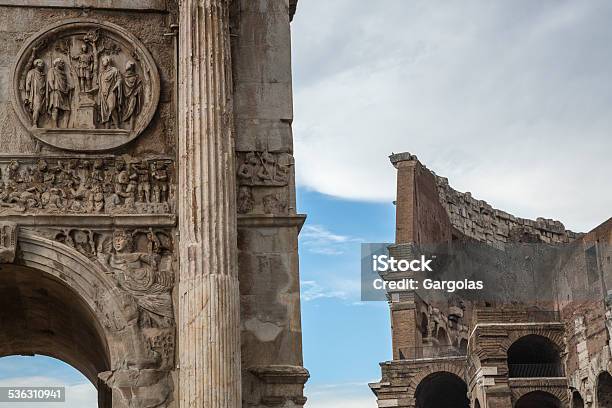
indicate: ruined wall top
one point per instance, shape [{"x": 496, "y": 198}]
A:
[{"x": 477, "y": 219}]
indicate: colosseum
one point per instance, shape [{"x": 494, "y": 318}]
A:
[{"x": 539, "y": 333}]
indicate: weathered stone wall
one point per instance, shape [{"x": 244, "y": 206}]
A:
[
  {"x": 89, "y": 102},
  {"x": 478, "y": 219},
  {"x": 582, "y": 284},
  {"x": 268, "y": 222},
  {"x": 17, "y": 24},
  {"x": 540, "y": 280}
]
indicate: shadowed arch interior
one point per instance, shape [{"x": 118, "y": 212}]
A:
[
  {"x": 577, "y": 401},
  {"x": 538, "y": 399},
  {"x": 604, "y": 390},
  {"x": 442, "y": 389},
  {"x": 40, "y": 314},
  {"x": 534, "y": 356}
]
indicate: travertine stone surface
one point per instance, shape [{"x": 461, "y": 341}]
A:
[
  {"x": 144, "y": 5},
  {"x": 209, "y": 302},
  {"x": 85, "y": 85},
  {"x": 538, "y": 334},
  {"x": 118, "y": 232},
  {"x": 268, "y": 220}
]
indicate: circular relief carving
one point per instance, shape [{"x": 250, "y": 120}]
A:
[{"x": 85, "y": 85}]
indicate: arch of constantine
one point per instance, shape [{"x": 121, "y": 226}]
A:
[{"x": 148, "y": 226}]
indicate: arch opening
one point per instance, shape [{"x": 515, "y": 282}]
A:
[
  {"x": 442, "y": 389},
  {"x": 424, "y": 326},
  {"x": 577, "y": 401},
  {"x": 27, "y": 370},
  {"x": 604, "y": 390},
  {"x": 538, "y": 399},
  {"x": 534, "y": 356},
  {"x": 40, "y": 314}
]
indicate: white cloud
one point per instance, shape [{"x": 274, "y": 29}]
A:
[
  {"x": 79, "y": 395},
  {"x": 346, "y": 395},
  {"x": 312, "y": 290},
  {"x": 318, "y": 239},
  {"x": 510, "y": 100}
]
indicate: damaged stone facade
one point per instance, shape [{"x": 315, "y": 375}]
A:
[
  {"x": 147, "y": 198},
  {"x": 537, "y": 336}
]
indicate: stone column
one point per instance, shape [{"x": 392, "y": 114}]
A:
[{"x": 209, "y": 335}]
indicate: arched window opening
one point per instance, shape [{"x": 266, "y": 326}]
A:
[
  {"x": 424, "y": 326},
  {"x": 577, "y": 401},
  {"x": 534, "y": 356},
  {"x": 604, "y": 390},
  {"x": 442, "y": 337},
  {"x": 41, "y": 315},
  {"x": 538, "y": 399},
  {"x": 442, "y": 389},
  {"x": 43, "y": 371},
  {"x": 463, "y": 345}
]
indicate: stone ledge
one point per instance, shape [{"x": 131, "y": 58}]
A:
[
  {"x": 281, "y": 374},
  {"x": 271, "y": 221},
  {"x": 103, "y": 220},
  {"x": 142, "y": 5}
]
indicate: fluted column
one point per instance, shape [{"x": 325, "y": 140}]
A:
[{"x": 209, "y": 303}]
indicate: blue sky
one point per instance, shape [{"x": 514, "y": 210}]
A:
[
  {"x": 510, "y": 100},
  {"x": 344, "y": 339}
]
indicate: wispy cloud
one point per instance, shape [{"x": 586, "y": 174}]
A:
[
  {"x": 79, "y": 395},
  {"x": 346, "y": 395},
  {"x": 508, "y": 99},
  {"x": 319, "y": 240},
  {"x": 312, "y": 290}
]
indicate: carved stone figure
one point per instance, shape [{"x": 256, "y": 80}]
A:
[
  {"x": 86, "y": 186},
  {"x": 263, "y": 178},
  {"x": 85, "y": 65},
  {"x": 58, "y": 91},
  {"x": 144, "y": 182},
  {"x": 114, "y": 76},
  {"x": 139, "y": 274},
  {"x": 132, "y": 94},
  {"x": 8, "y": 241},
  {"x": 264, "y": 169},
  {"x": 273, "y": 204},
  {"x": 36, "y": 81},
  {"x": 246, "y": 202},
  {"x": 247, "y": 171},
  {"x": 110, "y": 93},
  {"x": 160, "y": 186}
]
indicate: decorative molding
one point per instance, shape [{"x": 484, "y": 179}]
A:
[
  {"x": 282, "y": 383},
  {"x": 139, "y": 5},
  {"x": 85, "y": 85},
  {"x": 95, "y": 185},
  {"x": 271, "y": 221},
  {"x": 102, "y": 220},
  {"x": 8, "y": 241},
  {"x": 263, "y": 182}
]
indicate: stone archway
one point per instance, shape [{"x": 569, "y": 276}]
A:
[
  {"x": 42, "y": 315},
  {"x": 534, "y": 356},
  {"x": 604, "y": 390},
  {"x": 441, "y": 389},
  {"x": 538, "y": 399},
  {"x": 577, "y": 401},
  {"x": 57, "y": 302}
]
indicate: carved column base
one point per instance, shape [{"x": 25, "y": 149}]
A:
[
  {"x": 133, "y": 388},
  {"x": 283, "y": 385}
]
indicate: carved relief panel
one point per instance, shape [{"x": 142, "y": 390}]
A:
[
  {"x": 141, "y": 262},
  {"x": 92, "y": 185},
  {"x": 264, "y": 182},
  {"x": 85, "y": 85}
]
